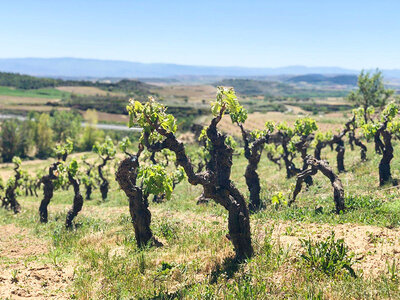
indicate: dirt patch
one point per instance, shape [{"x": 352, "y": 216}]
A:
[
  {"x": 22, "y": 274},
  {"x": 15, "y": 243},
  {"x": 374, "y": 247}
]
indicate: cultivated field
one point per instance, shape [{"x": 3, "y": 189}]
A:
[{"x": 87, "y": 91}]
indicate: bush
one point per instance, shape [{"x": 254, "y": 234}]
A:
[
  {"x": 360, "y": 201},
  {"x": 329, "y": 256}
]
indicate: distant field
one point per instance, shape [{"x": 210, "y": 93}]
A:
[
  {"x": 194, "y": 93},
  {"x": 39, "y": 93},
  {"x": 110, "y": 118},
  {"x": 86, "y": 91},
  {"x": 16, "y": 100},
  {"x": 331, "y": 121},
  {"x": 28, "y": 108}
]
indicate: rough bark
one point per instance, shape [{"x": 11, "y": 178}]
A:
[
  {"x": 324, "y": 168},
  {"x": 340, "y": 155},
  {"x": 253, "y": 155},
  {"x": 89, "y": 185},
  {"x": 385, "y": 175},
  {"x": 287, "y": 156},
  {"x": 302, "y": 148},
  {"x": 337, "y": 140},
  {"x": 77, "y": 204},
  {"x": 378, "y": 143},
  {"x": 48, "y": 190},
  {"x": 363, "y": 150},
  {"x": 351, "y": 139},
  {"x": 216, "y": 183},
  {"x": 88, "y": 191},
  {"x": 10, "y": 194},
  {"x": 104, "y": 182},
  {"x": 275, "y": 160},
  {"x": 138, "y": 202},
  {"x": 318, "y": 148}
]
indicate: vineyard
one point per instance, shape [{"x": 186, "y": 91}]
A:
[{"x": 252, "y": 208}]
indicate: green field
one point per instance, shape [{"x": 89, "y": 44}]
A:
[{"x": 37, "y": 93}]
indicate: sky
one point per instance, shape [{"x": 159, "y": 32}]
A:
[{"x": 351, "y": 34}]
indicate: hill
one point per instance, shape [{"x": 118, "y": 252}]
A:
[
  {"x": 323, "y": 79},
  {"x": 249, "y": 87}
]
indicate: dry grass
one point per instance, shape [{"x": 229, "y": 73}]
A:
[
  {"x": 107, "y": 117},
  {"x": 14, "y": 100},
  {"x": 28, "y": 108},
  {"x": 87, "y": 91},
  {"x": 195, "y": 93}
]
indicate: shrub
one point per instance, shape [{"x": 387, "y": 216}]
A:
[
  {"x": 330, "y": 256},
  {"x": 362, "y": 201}
]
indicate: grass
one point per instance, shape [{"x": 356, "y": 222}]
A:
[
  {"x": 195, "y": 262},
  {"x": 39, "y": 93}
]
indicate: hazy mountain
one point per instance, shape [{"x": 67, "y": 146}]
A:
[
  {"x": 76, "y": 67},
  {"x": 86, "y": 68}
]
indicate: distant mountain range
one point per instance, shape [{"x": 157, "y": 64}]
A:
[{"x": 94, "y": 68}]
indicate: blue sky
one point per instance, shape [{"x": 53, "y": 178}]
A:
[{"x": 351, "y": 34}]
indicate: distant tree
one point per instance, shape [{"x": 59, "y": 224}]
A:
[
  {"x": 90, "y": 135},
  {"x": 26, "y": 133},
  {"x": 9, "y": 139},
  {"x": 44, "y": 136},
  {"x": 371, "y": 92},
  {"x": 65, "y": 125}
]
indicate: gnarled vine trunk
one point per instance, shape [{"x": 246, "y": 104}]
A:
[
  {"x": 10, "y": 195},
  {"x": 322, "y": 166},
  {"x": 318, "y": 148},
  {"x": 340, "y": 155},
  {"x": 378, "y": 143},
  {"x": 77, "y": 204},
  {"x": 253, "y": 156},
  {"x": 385, "y": 175},
  {"x": 291, "y": 169},
  {"x": 138, "y": 203},
  {"x": 363, "y": 150},
  {"x": 216, "y": 183},
  {"x": 104, "y": 182},
  {"x": 302, "y": 148},
  {"x": 88, "y": 192},
  {"x": 275, "y": 160},
  {"x": 48, "y": 190},
  {"x": 10, "y": 201}
]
